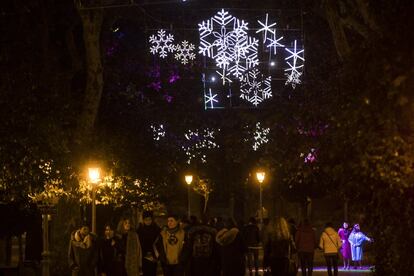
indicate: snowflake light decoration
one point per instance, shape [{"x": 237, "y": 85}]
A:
[
  {"x": 254, "y": 89},
  {"x": 266, "y": 27},
  {"x": 197, "y": 142},
  {"x": 161, "y": 43},
  {"x": 158, "y": 132},
  {"x": 224, "y": 38},
  {"x": 184, "y": 52},
  {"x": 292, "y": 73},
  {"x": 274, "y": 42},
  {"x": 260, "y": 136},
  {"x": 210, "y": 99}
]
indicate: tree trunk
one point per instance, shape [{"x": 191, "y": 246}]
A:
[
  {"x": 337, "y": 29},
  {"x": 92, "y": 23}
]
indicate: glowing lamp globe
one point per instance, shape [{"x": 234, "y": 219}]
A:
[
  {"x": 94, "y": 174},
  {"x": 260, "y": 176},
  {"x": 188, "y": 179}
]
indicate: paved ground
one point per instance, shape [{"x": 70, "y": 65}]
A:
[{"x": 321, "y": 270}]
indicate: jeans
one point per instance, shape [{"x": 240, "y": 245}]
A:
[
  {"x": 306, "y": 263},
  {"x": 332, "y": 262}
]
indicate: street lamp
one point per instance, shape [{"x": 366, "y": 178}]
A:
[
  {"x": 260, "y": 175},
  {"x": 94, "y": 177},
  {"x": 188, "y": 180}
]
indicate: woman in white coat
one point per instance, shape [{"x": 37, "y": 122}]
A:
[{"x": 357, "y": 240}]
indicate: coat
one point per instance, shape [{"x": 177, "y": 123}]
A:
[
  {"x": 305, "y": 239},
  {"x": 330, "y": 242},
  {"x": 108, "y": 257},
  {"x": 232, "y": 250},
  {"x": 202, "y": 249},
  {"x": 130, "y": 252},
  {"x": 346, "y": 246},
  {"x": 169, "y": 246},
  {"x": 83, "y": 254},
  {"x": 148, "y": 234},
  {"x": 357, "y": 239},
  {"x": 251, "y": 235}
]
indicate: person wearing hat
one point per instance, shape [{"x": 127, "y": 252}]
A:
[{"x": 148, "y": 232}]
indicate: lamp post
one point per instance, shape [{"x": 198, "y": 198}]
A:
[
  {"x": 188, "y": 180},
  {"x": 260, "y": 175},
  {"x": 94, "y": 175},
  {"x": 46, "y": 210}
]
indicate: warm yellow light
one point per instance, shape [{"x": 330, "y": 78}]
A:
[
  {"x": 94, "y": 175},
  {"x": 188, "y": 179},
  {"x": 260, "y": 175}
]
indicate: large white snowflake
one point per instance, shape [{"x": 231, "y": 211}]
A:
[
  {"x": 254, "y": 88},
  {"x": 295, "y": 62},
  {"x": 197, "y": 142},
  {"x": 184, "y": 52},
  {"x": 161, "y": 43},
  {"x": 224, "y": 38}
]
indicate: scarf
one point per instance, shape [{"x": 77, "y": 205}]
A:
[{"x": 133, "y": 254}]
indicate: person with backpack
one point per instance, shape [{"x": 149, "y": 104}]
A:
[
  {"x": 232, "y": 250},
  {"x": 202, "y": 250},
  {"x": 330, "y": 243},
  {"x": 305, "y": 241},
  {"x": 251, "y": 235}
]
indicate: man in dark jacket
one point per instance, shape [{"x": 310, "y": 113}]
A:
[
  {"x": 201, "y": 247},
  {"x": 83, "y": 253},
  {"x": 148, "y": 232},
  {"x": 306, "y": 243},
  {"x": 251, "y": 235}
]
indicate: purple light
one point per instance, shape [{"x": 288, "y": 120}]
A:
[
  {"x": 156, "y": 85},
  {"x": 168, "y": 98},
  {"x": 311, "y": 157},
  {"x": 174, "y": 77}
]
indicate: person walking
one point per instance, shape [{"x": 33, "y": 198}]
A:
[
  {"x": 330, "y": 243},
  {"x": 202, "y": 250},
  {"x": 232, "y": 250},
  {"x": 264, "y": 237},
  {"x": 344, "y": 232},
  {"x": 251, "y": 236},
  {"x": 357, "y": 240},
  {"x": 107, "y": 262},
  {"x": 129, "y": 249},
  {"x": 83, "y": 252},
  {"x": 169, "y": 248},
  {"x": 305, "y": 241},
  {"x": 148, "y": 232},
  {"x": 280, "y": 245}
]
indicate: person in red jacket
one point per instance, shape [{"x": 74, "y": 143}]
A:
[{"x": 306, "y": 243}]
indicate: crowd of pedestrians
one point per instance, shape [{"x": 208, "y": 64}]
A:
[{"x": 210, "y": 247}]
